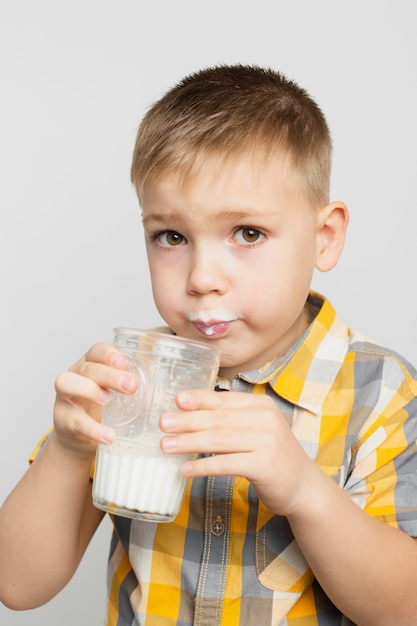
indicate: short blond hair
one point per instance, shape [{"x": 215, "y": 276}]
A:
[{"x": 227, "y": 111}]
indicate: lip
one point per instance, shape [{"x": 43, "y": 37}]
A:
[
  {"x": 212, "y": 322},
  {"x": 213, "y": 328}
]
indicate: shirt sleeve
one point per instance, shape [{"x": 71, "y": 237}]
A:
[
  {"x": 382, "y": 477},
  {"x": 40, "y": 445}
]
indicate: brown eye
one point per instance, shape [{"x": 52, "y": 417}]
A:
[
  {"x": 248, "y": 235},
  {"x": 170, "y": 238}
]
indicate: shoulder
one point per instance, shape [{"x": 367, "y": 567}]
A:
[
  {"x": 369, "y": 359},
  {"x": 368, "y": 351},
  {"x": 382, "y": 369}
]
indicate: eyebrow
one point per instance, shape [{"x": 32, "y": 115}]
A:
[
  {"x": 228, "y": 215},
  {"x": 161, "y": 218}
]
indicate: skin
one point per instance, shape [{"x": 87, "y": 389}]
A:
[
  {"x": 243, "y": 245},
  {"x": 231, "y": 253}
]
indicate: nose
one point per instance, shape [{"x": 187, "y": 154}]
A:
[{"x": 207, "y": 272}]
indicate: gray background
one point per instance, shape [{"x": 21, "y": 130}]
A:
[{"x": 76, "y": 77}]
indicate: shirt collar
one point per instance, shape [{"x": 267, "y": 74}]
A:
[{"x": 304, "y": 374}]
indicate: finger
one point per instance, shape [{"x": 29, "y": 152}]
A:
[
  {"x": 108, "y": 355},
  {"x": 73, "y": 386},
  {"x": 258, "y": 415},
  {"x": 106, "y": 376},
  {"x": 218, "y": 465},
  {"x": 196, "y": 399},
  {"x": 74, "y": 423},
  {"x": 214, "y": 441}
]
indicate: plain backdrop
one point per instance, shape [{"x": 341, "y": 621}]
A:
[{"x": 76, "y": 78}]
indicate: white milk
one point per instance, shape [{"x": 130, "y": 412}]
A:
[{"x": 135, "y": 478}]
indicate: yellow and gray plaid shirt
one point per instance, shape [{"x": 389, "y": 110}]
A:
[{"x": 226, "y": 560}]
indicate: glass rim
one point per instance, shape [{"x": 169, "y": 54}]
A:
[{"x": 171, "y": 338}]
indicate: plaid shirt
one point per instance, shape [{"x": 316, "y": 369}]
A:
[{"x": 226, "y": 560}]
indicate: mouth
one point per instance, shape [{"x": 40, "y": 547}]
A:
[
  {"x": 212, "y": 323},
  {"x": 212, "y": 329}
]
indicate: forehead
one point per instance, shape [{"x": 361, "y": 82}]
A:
[
  {"x": 232, "y": 190},
  {"x": 246, "y": 174}
]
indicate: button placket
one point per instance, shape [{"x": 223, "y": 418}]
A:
[{"x": 215, "y": 560}]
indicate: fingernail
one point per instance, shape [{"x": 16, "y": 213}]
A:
[
  {"x": 104, "y": 396},
  {"x": 119, "y": 361},
  {"x": 168, "y": 421},
  {"x": 108, "y": 435},
  {"x": 187, "y": 469},
  {"x": 184, "y": 398},
  {"x": 169, "y": 443},
  {"x": 128, "y": 382}
]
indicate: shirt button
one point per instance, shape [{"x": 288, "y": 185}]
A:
[{"x": 217, "y": 527}]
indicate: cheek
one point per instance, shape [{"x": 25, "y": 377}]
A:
[
  {"x": 278, "y": 292},
  {"x": 166, "y": 292}
]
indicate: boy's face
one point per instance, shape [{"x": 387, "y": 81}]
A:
[{"x": 231, "y": 253}]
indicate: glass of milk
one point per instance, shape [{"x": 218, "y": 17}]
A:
[{"x": 133, "y": 477}]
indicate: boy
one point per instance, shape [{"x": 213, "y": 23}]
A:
[{"x": 302, "y": 508}]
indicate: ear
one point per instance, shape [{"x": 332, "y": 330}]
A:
[{"x": 332, "y": 223}]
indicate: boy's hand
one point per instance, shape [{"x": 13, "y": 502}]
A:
[
  {"x": 249, "y": 438},
  {"x": 82, "y": 391}
]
